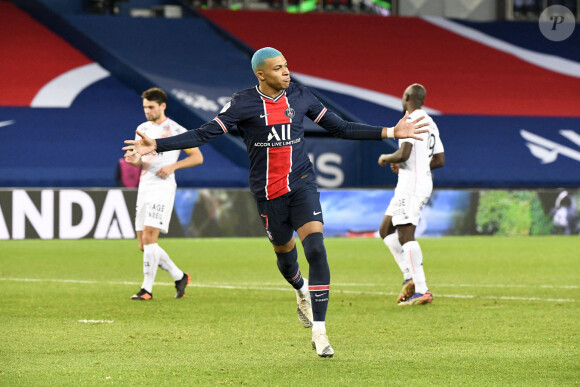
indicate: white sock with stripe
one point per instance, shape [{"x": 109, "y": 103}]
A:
[{"x": 413, "y": 254}]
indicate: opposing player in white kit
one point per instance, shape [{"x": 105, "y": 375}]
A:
[
  {"x": 157, "y": 192},
  {"x": 413, "y": 161}
]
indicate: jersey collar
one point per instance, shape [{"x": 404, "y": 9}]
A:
[
  {"x": 270, "y": 98},
  {"x": 162, "y": 122}
]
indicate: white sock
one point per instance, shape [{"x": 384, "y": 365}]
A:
[
  {"x": 392, "y": 242},
  {"x": 167, "y": 264},
  {"x": 150, "y": 263},
  {"x": 318, "y": 326},
  {"x": 413, "y": 254},
  {"x": 304, "y": 292}
]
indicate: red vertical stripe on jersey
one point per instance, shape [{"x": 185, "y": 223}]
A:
[
  {"x": 279, "y": 157},
  {"x": 279, "y": 167},
  {"x": 275, "y": 110}
]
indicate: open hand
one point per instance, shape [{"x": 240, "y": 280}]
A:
[
  {"x": 144, "y": 146},
  {"x": 405, "y": 129}
]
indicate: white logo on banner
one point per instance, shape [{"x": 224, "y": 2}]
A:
[
  {"x": 328, "y": 164},
  {"x": 6, "y": 123},
  {"x": 67, "y": 199},
  {"x": 547, "y": 151},
  {"x": 41, "y": 219},
  {"x": 199, "y": 101},
  {"x": 113, "y": 220}
]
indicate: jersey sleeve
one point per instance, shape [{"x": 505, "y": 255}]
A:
[
  {"x": 335, "y": 125},
  {"x": 438, "y": 144},
  {"x": 231, "y": 114},
  {"x": 228, "y": 117},
  {"x": 179, "y": 130},
  {"x": 190, "y": 139},
  {"x": 316, "y": 110}
]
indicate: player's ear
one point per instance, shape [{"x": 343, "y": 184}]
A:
[{"x": 260, "y": 75}]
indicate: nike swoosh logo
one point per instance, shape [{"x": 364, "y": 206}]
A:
[
  {"x": 264, "y": 115},
  {"x": 319, "y": 295},
  {"x": 6, "y": 123},
  {"x": 316, "y": 213}
]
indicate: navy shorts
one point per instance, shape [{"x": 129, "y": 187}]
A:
[{"x": 287, "y": 213}]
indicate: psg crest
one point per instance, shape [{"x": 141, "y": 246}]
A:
[{"x": 289, "y": 112}]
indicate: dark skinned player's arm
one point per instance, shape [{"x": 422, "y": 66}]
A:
[
  {"x": 437, "y": 161},
  {"x": 401, "y": 155}
]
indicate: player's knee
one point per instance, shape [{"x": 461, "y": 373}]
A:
[
  {"x": 404, "y": 238},
  {"x": 286, "y": 261},
  {"x": 316, "y": 256},
  {"x": 314, "y": 247},
  {"x": 149, "y": 237},
  {"x": 386, "y": 227}
]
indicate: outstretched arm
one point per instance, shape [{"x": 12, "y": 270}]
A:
[
  {"x": 355, "y": 131},
  {"x": 190, "y": 139}
]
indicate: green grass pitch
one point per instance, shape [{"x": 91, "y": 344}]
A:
[{"x": 506, "y": 312}]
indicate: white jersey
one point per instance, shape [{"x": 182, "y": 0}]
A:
[
  {"x": 154, "y": 161},
  {"x": 415, "y": 173}
]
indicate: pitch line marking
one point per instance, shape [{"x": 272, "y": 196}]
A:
[
  {"x": 354, "y": 284},
  {"x": 508, "y": 286},
  {"x": 245, "y": 284},
  {"x": 245, "y": 287}
]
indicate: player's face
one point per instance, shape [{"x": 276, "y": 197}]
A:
[
  {"x": 154, "y": 111},
  {"x": 276, "y": 74}
]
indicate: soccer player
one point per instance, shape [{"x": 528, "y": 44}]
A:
[
  {"x": 270, "y": 119},
  {"x": 156, "y": 193},
  {"x": 413, "y": 161}
]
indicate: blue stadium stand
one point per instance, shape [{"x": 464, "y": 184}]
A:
[{"x": 202, "y": 65}]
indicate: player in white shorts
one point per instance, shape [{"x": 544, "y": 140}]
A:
[
  {"x": 157, "y": 192},
  {"x": 413, "y": 161}
]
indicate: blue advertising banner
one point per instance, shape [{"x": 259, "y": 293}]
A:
[
  {"x": 509, "y": 152},
  {"x": 486, "y": 151}
]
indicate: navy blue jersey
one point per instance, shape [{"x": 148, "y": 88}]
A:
[{"x": 273, "y": 131}]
